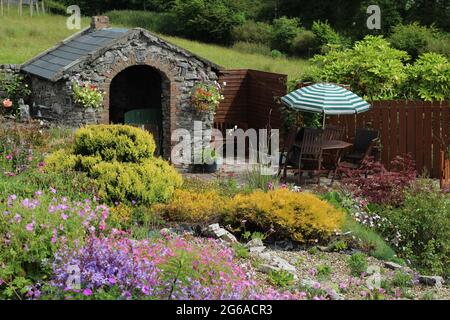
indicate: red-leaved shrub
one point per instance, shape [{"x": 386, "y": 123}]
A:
[{"x": 378, "y": 185}]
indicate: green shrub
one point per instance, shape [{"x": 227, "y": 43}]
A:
[
  {"x": 326, "y": 37},
  {"x": 284, "y": 32},
  {"x": 412, "y": 38},
  {"x": 281, "y": 278},
  {"x": 114, "y": 143},
  {"x": 119, "y": 159},
  {"x": 160, "y": 22},
  {"x": 324, "y": 272},
  {"x": 148, "y": 182},
  {"x": 372, "y": 68},
  {"x": 429, "y": 78},
  {"x": 252, "y": 48},
  {"x": 207, "y": 20},
  {"x": 240, "y": 251},
  {"x": 357, "y": 263},
  {"x": 14, "y": 88},
  {"x": 253, "y": 32},
  {"x": 402, "y": 279},
  {"x": 304, "y": 44},
  {"x": 424, "y": 224}
]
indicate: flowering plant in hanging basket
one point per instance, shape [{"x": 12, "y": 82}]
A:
[
  {"x": 87, "y": 94},
  {"x": 207, "y": 97}
]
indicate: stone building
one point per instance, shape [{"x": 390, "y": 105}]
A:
[{"x": 145, "y": 79}]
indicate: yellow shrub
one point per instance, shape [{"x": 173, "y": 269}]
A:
[
  {"x": 149, "y": 182},
  {"x": 195, "y": 207},
  {"x": 114, "y": 143},
  {"x": 120, "y": 160},
  {"x": 301, "y": 216},
  {"x": 121, "y": 215}
]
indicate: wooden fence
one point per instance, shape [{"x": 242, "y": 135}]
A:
[
  {"x": 445, "y": 171},
  {"x": 250, "y": 97},
  {"x": 406, "y": 127}
]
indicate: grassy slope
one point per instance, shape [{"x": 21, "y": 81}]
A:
[{"x": 21, "y": 38}]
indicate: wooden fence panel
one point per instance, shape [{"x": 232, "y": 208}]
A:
[
  {"x": 250, "y": 100},
  {"x": 406, "y": 127}
]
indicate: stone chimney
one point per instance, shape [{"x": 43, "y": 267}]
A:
[{"x": 100, "y": 22}]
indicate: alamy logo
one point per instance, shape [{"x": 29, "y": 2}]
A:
[
  {"x": 74, "y": 21},
  {"x": 374, "y": 20}
]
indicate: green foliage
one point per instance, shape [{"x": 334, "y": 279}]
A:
[
  {"x": 257, "y": 178},
  {"x": 284, "y": 32},
  {"x": 252, "y": 48},
  {"x": 324, "y": 272},
  {"x": 32, "y": 229},
  {"x": 281, "y": 278},
  {"x": 370, "y": 241},
  {"x": 357, "y": 263},
  {"x": 120, "y": 161},
  {"x": 114, "y": 143},
  {"x": 160, "y": 22},
  {"x": 12, "y": 87},
  {"x": 429, "y": 78},
  {"x": 207, "y": 20},
  {"x": 240, "y": 251},
  {"x": 402, "y": 279},
  {"x": 304, "y": 44},
  {"x": 423, "y": 222},
  {"x": 253, "y": 32},
  {"x": 372, "y": 68},
  {"x": 412, "y": 38},
  {"x": 338, "y": 246},
  {"x": 327, "y": 38}
]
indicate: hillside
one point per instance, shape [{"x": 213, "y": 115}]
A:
[{"x": 24, "y": 37}]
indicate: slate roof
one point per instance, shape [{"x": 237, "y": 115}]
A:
[{"x": 51, "y": 64}]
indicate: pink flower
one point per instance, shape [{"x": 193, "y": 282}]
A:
[
  {"x": 53, "y": 190},
  {"x": 342, "y": 286},
  {"x": 9, "y": 157},
  {"x": 87, "y": 292},
  {"x": 64, "y": 216},
  {"x": 7, "y": 103},
  {"x": 29, "y": 227}
]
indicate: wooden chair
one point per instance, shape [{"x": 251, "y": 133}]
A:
[
  {"x": 330, "y": 157},
  {"x": 344, "y": 166},
  {"x": 364, "y": 140},
  {"x": 310, "y": 159},
  {"x": 287, "y": 152},
  {"x": 333, "y": 133}
]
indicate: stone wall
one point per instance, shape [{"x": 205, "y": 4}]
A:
[{"x": 179, "y": 71}]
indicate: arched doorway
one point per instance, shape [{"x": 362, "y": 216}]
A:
[{"x": 137, "y": 98}]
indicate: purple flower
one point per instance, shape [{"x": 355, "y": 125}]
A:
[
  {"x": 29, "y": 227},
  {"x": 53, "y": 190},
  {"x": 87, "y": 292}
]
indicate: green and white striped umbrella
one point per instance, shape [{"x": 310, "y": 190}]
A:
[{"x": 328, "y": 99}]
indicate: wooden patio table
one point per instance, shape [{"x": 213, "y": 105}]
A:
[{"x": 333, "y": 145}]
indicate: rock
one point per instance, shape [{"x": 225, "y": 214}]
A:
[
  {"x": 285, "y": 245},
  {"x": 256, "y": 249},
  {"x": 255, "y": 243},
  {"x": 431, "y": 280},
  {"x": 308, "y": 283},
  {"x": 392, "y": 265},
  {"x": 323, "y": 249},
  {"x": 276, "y": 263},
  {"x": 217, "y": 232}
]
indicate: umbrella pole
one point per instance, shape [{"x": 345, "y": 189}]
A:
[{"x": 324, "y": 120}]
